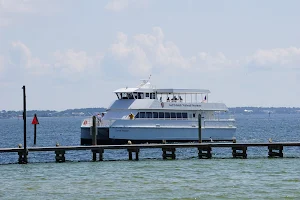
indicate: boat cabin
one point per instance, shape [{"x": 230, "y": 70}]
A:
[{"x": 165, "y": 95}]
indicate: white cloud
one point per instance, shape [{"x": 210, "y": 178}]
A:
[
  {"x": 26, "y": 6},
  {"x": 116, "y": 5},
  {"x": 216, "y": 61},
  {"x": 120, "y": 48},
  {"x": 21, "y": 57},
  {"x": 134, "y": 54},
  {"x": 270, "y": 58},
  {"x": 120, "y": 5},
  {"x": 16, "y": 6},
  {"x": 62, "y": 64},
  {"x": 1, "y": 63},
  {"x": 147, "y": 50},
  {"x": 12, "y": 11},
  {"x": 75, "y": 61}
]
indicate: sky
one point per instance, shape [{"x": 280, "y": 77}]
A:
[{"x": 74, "y": 53}]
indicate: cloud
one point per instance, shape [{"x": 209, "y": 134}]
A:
[
  {"x": 147, "y": 50},
  {"x": 1, "y": 63},
  {"x": 217, "y": 61},
  {"x": 72, "y": 61},
  {"x": 120, "y": 5},
  {"x": 134, "y": 54},
  {"x": 12, "y": 11},
  {"x": 66, "y": 65},
  {"x": 117, "y": 5},
  {"x": 272, "y": 58},
  {"x": 21, "y": 58}
]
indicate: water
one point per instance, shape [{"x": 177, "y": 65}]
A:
[{"x": 151, "y": 178}]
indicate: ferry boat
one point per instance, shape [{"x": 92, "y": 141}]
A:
[{"x": 145, "y": 114}]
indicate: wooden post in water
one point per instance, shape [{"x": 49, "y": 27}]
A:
[
  {"x": 24, "y": 161},
  {"x": 94, "y": 137},
  {"x": 199, "y": 128},
  {"x": 94, "y": 131}
]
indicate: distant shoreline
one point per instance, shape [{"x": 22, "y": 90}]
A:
[{"x": 92, "y": 111}]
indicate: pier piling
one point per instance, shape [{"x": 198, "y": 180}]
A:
[
  {"x": 275, "y": 151},
  {"x": 94, "y": 131},
  {"x": 204, "y": 152},
  {"x": 135, "y": 150},
  {"x": 239, "y": 152},
  {"x": 168, "y": 153},
  {"x": 60, "y": 156},
  {"x": 100, "y": 151}
]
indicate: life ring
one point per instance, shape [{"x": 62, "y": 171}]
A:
[{"x": 84, "y": 122}]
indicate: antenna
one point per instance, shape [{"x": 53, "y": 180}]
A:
[{"x": 149, "y": 77}]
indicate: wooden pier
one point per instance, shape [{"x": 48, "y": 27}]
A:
[{"x": 239, "y": 150}]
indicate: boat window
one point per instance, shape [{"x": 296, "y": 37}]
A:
[
  {"x": 178, "y": 115},
  {"x": 142, "y": 95},
  {"x": 190, "y": 115},
  {"x": 142, "y": 114},
  {"x": 130, "y": 96},
  {"x": 124, "y": 96},
  {"x": 194, "y": 115},
  {"x": 167, "y": 115},
  {"x": 118, "y": 95},
  {"x": 151, "y": 96},
  {"x": 161, "y": 115},
  {"x": 147, "y": 94},
  {"x": 155, "y": 114},
  {"x": 184, "y": 115},
  {"x": 148, "y": 114},
  {"x": 135, "y": 95},
  {"x": 137, "y": 115},
  {"x": 173, "y": 115},
  {"x": 154, "y": 96}
]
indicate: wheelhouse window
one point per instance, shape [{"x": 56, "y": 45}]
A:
[
  {"x": 173, "y": 115},
  {"x": 147, "y": 94},
  {"x": 184, "y": 115},
  {"x": 142, "y": 114},
  {"x": 161, "y": 115},
  {"x": 155, "y": 114},
  {"x": 148, "y": 114},
  {"x": 137, "y": 115},
  {"x": 167, "y": 115},
  {"x": 178, "y": 115}
]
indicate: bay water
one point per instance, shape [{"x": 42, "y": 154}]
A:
[{"x": 187, "y": 177}]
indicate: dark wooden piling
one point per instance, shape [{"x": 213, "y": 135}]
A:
[
  {"x": 199, "y": 128},
  {"x": 94, "y": 131},
  {"x": 275, "y": 151},
  {"x": 100, "y": 151},
  {"x": 24, "y": 158},
  {"x": 60, "y": 156},
  {"x": 204, "y": 152},
  {"x": 169, "y": 153},
  {"x": 239, "y": 152},
  {"x": 133, "y": 150}
]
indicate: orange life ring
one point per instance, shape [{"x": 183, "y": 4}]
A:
[{"x": 85, "y": 122}]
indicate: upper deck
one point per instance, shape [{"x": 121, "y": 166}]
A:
[{"x": 146, "y": 91}]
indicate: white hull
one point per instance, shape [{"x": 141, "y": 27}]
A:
[{"x": 171, "y": 133}]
